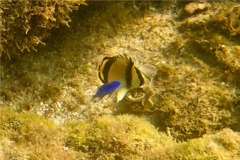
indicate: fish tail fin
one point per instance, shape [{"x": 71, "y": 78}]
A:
[{"x": 148, "y": 70}]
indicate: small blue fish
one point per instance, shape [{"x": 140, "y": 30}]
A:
[{"x": 107, "y": 88}]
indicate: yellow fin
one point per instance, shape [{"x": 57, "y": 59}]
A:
[{"x": 121, "y": 94}]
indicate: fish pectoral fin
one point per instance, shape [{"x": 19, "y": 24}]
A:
[{"x": 121, "y": 94}]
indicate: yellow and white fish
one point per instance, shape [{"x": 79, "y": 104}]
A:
[{"x": 121, "y": 68}]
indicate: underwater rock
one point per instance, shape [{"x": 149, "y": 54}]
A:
[{"x": 194, "y": 6}]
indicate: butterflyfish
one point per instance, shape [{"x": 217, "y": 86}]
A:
[
  {"x": 107, "y": 89},
  {"x": 121, "y": 68}
]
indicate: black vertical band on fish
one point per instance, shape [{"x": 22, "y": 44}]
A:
[
  {"x": 107, "y": 68},
  {"x": 108, "y": 63},
  {"x": 140, "y": 76},
  {"x": 128, "y": 74}
]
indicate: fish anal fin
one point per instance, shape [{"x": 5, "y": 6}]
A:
[
  {"x": 109, "y": 95},
  {"x": 96, "y": 99}
]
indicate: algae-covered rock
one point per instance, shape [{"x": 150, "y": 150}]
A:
[
  {"x": 199, "y": 85},
  {"x": 191, "y": 102},
  {"x": 217, "y": 31},
  {"x": 226, "y": 52},
  {"x": 25, "y": 23},
  {"x": 29, "y": 136},
  {"x": 226, "y": 17},
  {"x": 219, "y": 15},
  {"x": 121, "y": 137},
  {"x": 223, "y": 145}
]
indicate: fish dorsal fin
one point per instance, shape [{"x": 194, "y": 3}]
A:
[{"x": 123, "y": 58}]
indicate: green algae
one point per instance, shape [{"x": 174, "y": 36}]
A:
[
  {"x": 24, "y": 24},
  {"x": 124, "y": 136},
  {"x": 211, "y": 146},
  {"x": 77, "y": 134},
  {"x": 218, "y": 34},
  {"x": 30, "y": 136},
  {"x": 194, "y": 99},
  {"x": 202, "y": 96}
]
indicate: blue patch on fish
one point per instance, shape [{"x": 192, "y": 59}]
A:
[{"x": 107, "y": 89}]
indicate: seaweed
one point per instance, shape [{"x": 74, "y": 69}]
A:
[
  {"x": 26, "y": 135},
  {"x": 25, "y": 23},
  {"x": 29, "y": 135}
]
